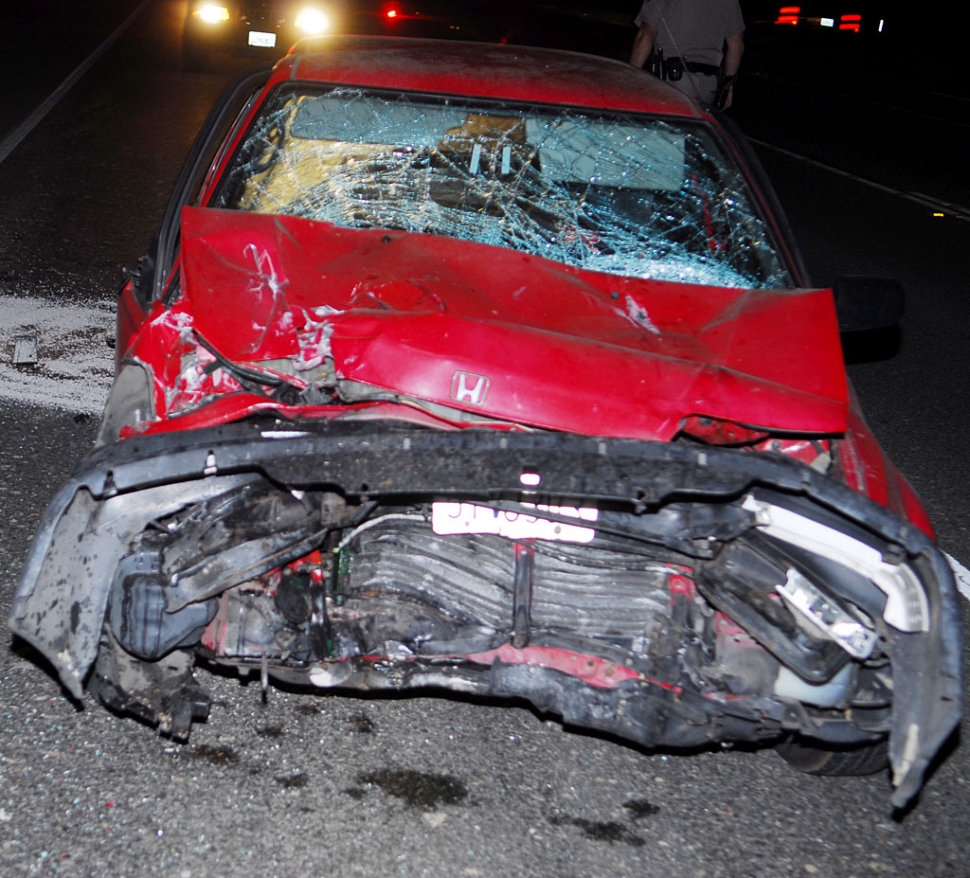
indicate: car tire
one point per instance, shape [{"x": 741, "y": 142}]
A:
[{"x": 819, "y": 759}]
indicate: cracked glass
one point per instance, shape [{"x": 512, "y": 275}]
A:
[{"x": 631, "y": 195}]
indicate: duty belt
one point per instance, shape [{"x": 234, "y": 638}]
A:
[
  {"x": 693, "y": 67},
  {"x": 673, "y": 69}
]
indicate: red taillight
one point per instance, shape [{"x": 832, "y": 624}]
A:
[
  {"x": 852, "y": 23},
  {"x": 788, "y": 15}
]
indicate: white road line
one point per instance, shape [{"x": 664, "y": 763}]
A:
[
  {"x": 75, "y": 363},
  {"x": 962, "y": 576},
  {"x": 14, "y": 139},
  {"x": 957, "y": 211}
]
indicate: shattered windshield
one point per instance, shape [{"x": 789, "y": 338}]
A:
[{"x": 624, "y": 194}]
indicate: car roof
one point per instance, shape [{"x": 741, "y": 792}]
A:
[{"x": 484, "y": 70}]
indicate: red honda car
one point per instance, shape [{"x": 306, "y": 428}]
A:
[{"x": 496, "y": 370}]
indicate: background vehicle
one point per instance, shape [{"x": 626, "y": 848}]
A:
[{"x": 267, "y": 28}]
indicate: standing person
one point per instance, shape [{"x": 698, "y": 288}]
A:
[{"x": 696, "y": 44}]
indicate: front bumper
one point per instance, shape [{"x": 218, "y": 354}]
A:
[{"x": 656, "y": 488}]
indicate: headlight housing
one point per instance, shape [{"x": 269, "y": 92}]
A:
[{"x": 129, "y": 402}]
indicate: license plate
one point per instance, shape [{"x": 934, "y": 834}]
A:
[
  {"x": 259, "y": 38},
  {"x": 468, "y": 518}
]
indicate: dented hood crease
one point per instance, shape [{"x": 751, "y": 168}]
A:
[{"x": 508, "y": 335}]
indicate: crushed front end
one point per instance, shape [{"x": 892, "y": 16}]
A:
[{"x": 675, "y": 595}]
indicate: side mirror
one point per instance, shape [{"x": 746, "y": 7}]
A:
[
  {"x": 866, "y": 303},
  {"x": 141, "y": 276}
]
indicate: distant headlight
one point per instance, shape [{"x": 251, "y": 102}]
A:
[
  {"x": 212, "y": 13},
  {"x": 311, "y": 20}
]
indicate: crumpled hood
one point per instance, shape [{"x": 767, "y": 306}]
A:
[{"x": 507, "y": 335}]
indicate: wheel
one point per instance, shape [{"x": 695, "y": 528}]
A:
[{"x": 821, "y": 759}]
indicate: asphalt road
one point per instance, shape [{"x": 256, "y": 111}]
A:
[{"x": 307, "y": 785}]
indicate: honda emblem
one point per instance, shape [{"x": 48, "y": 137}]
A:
[{"x": 468, "y": 387}]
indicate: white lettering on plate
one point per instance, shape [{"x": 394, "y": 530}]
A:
[
  {"x": 469, "y": 518},
  {"x": 467, "y": 387}
]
